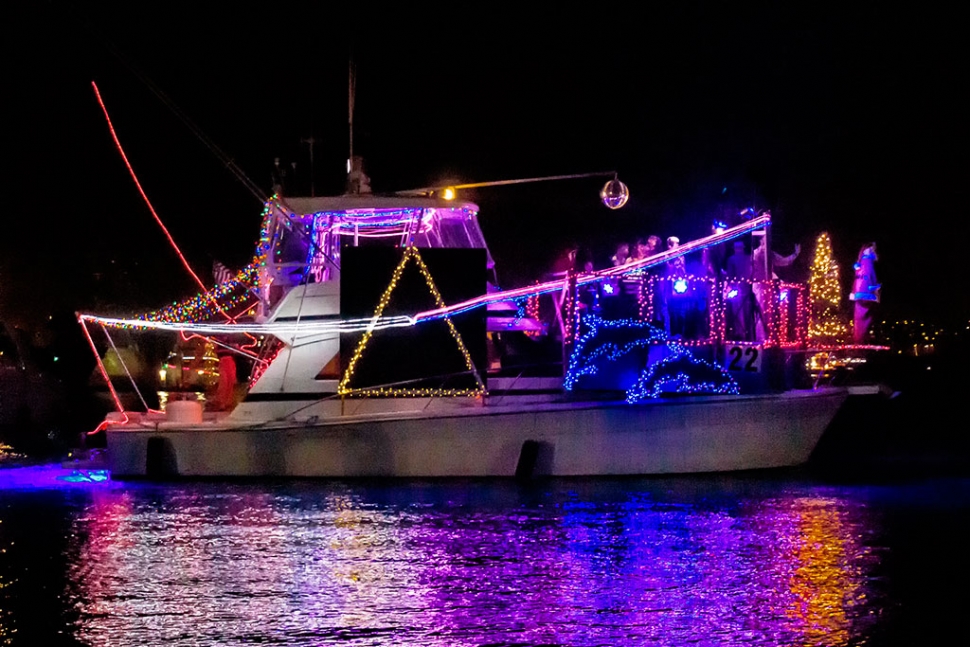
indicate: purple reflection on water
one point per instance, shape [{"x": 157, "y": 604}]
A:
[
  {"x": 676, "y": 574},
  {"x": 444, "y": 564}
]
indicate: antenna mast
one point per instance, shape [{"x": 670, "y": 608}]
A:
[
  {"x": 310, "y": 141},
  {"x": 351, "y": 91},
  {"x": 357, "y": 180}
]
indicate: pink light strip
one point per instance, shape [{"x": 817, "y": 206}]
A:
[
  {"x": 104, "y": 373},
  {"x": 591, "y": 277},
  {"x": 141, "y": 191}
]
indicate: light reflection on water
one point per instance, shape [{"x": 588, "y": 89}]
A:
[
  {"x": 586, "y": 563},
  {"x": 671, "y": 562}
]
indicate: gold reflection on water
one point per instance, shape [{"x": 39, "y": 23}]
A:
[
  {"x": 360, "y": 557},
  {"x": 822, "y": 582},
  {"x": 6, "y": 633}
]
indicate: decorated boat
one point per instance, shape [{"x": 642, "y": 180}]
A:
[{"x": 374, "y": 340}]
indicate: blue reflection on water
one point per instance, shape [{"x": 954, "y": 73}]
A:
[
  {"x": 584, "y": 562},
  {"x": 50, "y": 476}
]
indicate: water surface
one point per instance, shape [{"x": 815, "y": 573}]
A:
[{"x": 741, "y": 560}]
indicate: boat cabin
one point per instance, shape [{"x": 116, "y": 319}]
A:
[{"x": 342, "y": 258}]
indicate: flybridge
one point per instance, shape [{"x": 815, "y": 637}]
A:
[
  {"x": 317, "y": 257},
  {"x": 309, "y": 232}
]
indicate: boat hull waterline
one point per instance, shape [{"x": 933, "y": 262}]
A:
[{"x": 673, "y": 436}]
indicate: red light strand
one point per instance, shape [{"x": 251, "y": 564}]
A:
[
  {"x": 104, "y": 372},
  {"x": 141, "y": 191}
]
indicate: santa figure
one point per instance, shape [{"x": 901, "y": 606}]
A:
[{"x": 865, "y": 291}]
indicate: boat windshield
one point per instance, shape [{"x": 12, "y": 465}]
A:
[{"x": 311, "y": 231}]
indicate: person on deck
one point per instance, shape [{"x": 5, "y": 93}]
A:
[
  {"x": 645, "y": 248},
  {"x": 777, "y": 260},
  {"x": 677, "y": 266},
  {"x": 739, "y": 300},
  {"x": 635, "y": 285},
  {"x": 758, "y": 274},
  {"x": 674, "y": 308},
  {"x": 573, "y": 261},
  {"x": 225, "y": 395},
  {"x": 566, "y": 263},
  {"x": 714, "y": 257},
  {"x": 622, "y": 255}
]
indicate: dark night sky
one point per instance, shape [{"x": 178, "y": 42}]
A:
[{"x": 850, "y": 120}]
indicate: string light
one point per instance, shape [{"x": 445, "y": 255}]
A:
[
  {"x": 205, "y": 305},
  {"x": 271, "y": 349},
  {"x": 583, "y": 362},
  {"x": 178, "y": 317},
  {"x": 785, "y": 327},
  {"x": 826, "y": 324},
  {"x": 532, "y": 310},
  {"x": 647, "y": 289},
  {"x": 793, "y": 330},
  {"x": 568, "y": 312},
  {"x": 272, "y": 328},
  {"x": 411, "y": 255},
  {"x": 654, "y": 383},
  {"x": 377, "y": 222},
  {"x": 104, "y": 374},
  {"x": 141, "y": 191}
]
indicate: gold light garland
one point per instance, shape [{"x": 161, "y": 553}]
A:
[
  {"x": 826, "y": 324},
  {"x": 344, "y": 389}
]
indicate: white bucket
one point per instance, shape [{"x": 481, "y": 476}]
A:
[{"x": 185, "y": 411}]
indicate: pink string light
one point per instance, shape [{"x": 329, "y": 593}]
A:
[
  {"x": 104, "y": 373},
  {"x": 141, "y": 191}
]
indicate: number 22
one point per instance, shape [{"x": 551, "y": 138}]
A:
[{"x": 737, "y": 352}]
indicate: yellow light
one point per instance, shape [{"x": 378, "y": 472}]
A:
[
  {"x": 344, "y": 388},
  {"x": 448, "y": 193}
]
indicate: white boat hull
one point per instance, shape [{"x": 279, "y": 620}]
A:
[{"x": 678, "y": 436}]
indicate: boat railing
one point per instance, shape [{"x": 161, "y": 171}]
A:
[{"x": 697, "y": 310}]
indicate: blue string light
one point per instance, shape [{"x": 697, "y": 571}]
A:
[
  {"x": 658, "y": 379},
  {"x": 654, "y": 382},
  {"x": 583, "y": 363}
]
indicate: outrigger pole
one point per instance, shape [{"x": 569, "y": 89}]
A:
[{"x": 431, "y": 190}]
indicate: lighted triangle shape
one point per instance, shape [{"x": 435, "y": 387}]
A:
[{"x": 344, "y": 388}]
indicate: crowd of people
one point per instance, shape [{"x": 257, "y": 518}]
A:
[
  {"x": 669, "y": 294},
  {"x": 677, "y": 304}
]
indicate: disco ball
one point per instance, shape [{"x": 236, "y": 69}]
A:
[{"x": 614, "y": 194}]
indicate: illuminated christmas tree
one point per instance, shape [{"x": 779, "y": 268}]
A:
[{"x": 826, "y": 322}]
